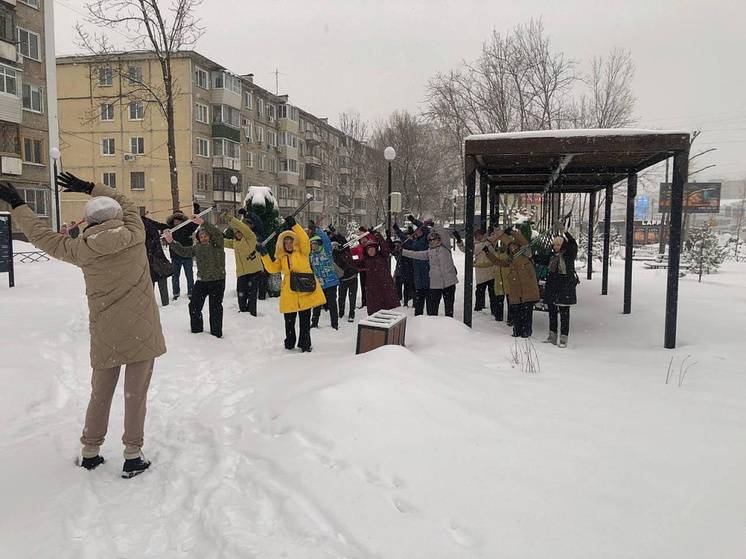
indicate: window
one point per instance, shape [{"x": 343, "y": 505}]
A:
[
  {"x": 8, "y": 80},
  {"x": 272, "y": 138},
  {"x": 28, "y": 44},
  {"x": 32, "y": 151},
  {"x": 32, "y": 3},
  {"x": 226, "y": 148},
  {"x": 201, "y": 111},
  {"x": 110, "y": 179},
  {"x": 223, "y": 80},
  {"x": 260, "y": 107},
  {"x": 262, "y": 160},
  {"x": 289, "y": 166},
  {"x": 137, "y": 110},
  {"x": 203, "y": 181},
  {"x": 36, "y": 199},
  {"x": 250, "y": 160},
  {"x": 137, "y": 180},
  {"x": 137, "y": 145},
  {"x": 288, "y": 139},
  {"x": 272, "y": 165},
  {"x": 259, "y": 134},
  {"x": 201, "y": 78},
  {"x": 287, "y": 111},
  {"x": 108, "y": 146},
  {"x": 247, "y": 130},
  {"x": 134, "y": 74},
  {"x": 270, "y": 112},
  {"x": 223, "y": 114},
  {"x": 32, "y": 97},
  {"x": 248, "y": 99},
  {"x": 107, "y": 111},
  {"x": 203, "y": 147},
  {"x": 105, "y": 77}
]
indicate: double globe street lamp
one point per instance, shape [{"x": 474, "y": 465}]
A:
[{"x": 389, "y": 155}]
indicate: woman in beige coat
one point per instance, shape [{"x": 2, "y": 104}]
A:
[{"x": 124, "y": 319}]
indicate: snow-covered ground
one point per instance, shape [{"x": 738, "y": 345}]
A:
[{"x": 437, "y": 450}]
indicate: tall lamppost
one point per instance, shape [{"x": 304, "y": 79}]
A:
[
  {"x": 389, "y": 154},
  {"x": 234, "y": 182},
  {"x": 54, "y": 155},
  {"x": 454, "y": 193}
]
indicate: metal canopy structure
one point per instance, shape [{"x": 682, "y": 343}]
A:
[{"x": 555, "y": 162}]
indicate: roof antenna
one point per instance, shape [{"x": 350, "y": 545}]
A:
[{"x": 277, "y": 74}]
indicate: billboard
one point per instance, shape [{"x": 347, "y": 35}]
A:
[{"x": 699, "y": 197}]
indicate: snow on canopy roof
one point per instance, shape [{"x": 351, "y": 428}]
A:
[
  {"x": 573, "y": 133},
  {"x": 258, "y": 196}
]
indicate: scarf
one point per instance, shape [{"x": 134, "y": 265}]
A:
[{"x": 557, "y": 263}]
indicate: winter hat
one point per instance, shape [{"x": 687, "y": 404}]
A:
[{"x": 102, "y": 208}]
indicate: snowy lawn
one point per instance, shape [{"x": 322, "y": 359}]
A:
[{"x": 437, "y": 450}]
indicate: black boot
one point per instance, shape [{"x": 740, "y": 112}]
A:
[
  {"x": 92, "y": 463},
  {"x": 134, "y": 466}
]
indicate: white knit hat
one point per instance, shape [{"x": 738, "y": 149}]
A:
[{"x": 102, "y": 208}]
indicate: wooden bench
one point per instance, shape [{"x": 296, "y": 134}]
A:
[
  {"x": 656, "y": 265},
  {"x": 380, "y": 329}
]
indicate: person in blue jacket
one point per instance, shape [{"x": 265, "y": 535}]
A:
[
  {"x": 417, "y": 241},
  {"x": 322, "y": 263}
]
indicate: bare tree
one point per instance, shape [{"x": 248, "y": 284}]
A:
[
  {"x": 358, "y": 159},
  {"x": 159, "y": 29}
]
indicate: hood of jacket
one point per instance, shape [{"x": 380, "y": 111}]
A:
[
  {"x": 280, "y": 246},
  {"x": 109, "y": 237}
]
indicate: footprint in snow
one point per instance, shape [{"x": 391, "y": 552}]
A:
[
  {"x": 404, "y": 507},
  {"x": 461, "y": 535}
]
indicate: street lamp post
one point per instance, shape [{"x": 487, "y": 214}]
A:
[
  {"x": 389, "y": 154},
  {"x": 454, "y": 193},
  {"x": 234, "y": 182},
  {"x": 54, "y": 155}
]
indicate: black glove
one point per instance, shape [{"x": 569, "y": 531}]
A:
[
  {"x": 371, "y": 230},
  {"x": 290, "y": 222},
  {"x": 9, "y": 194},
  {"x": 196, "y": 208},
  {"x": 241, "y": 211},
  {"x": 70, "y": 183},
  {"x": 486, "y": 248},
  {"x": 261, "y": 249},
  {"x": 312, "y": 225},
  {"x": 410, "y": 217},
  {"x": 456, "y": 236},
  {"x": 509, "y": 230}
]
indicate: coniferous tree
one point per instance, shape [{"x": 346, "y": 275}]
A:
[{"x": 704, "y": 254}]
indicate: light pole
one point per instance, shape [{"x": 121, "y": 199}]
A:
[
  {"x": 234, "y": 182},
  {"x": 454, "y": 193},
  {"x": 389, "y": 154},
  {"x": 54, "y": 155}
]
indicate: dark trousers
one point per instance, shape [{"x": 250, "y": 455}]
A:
[
  {"x": 523, "y": 319},
  {"x": 304, "y": 342},
  {"x": 247, "y": 288},
  {"x": 363, "y": 278},
  {"x": 262, "y": 285},
  {"x": 177, "y": 263},
  {"x": 496, "y": 301},
  {"x": 408, "y": 291},
  {"x": 163, "y": 289},
  {"x": 215, "y": 291},
  {"x": 433, "y": 300},
  {"x": 420, "y": 296},
  {"x": 331, "y": 304},
  {"x": 564, "y": 319},
  {"x": 399, "y": 281},
  {"x": 347, "y": 291}
]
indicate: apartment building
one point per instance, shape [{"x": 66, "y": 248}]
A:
[
  {"x": 230, "y": 134},
  {"x": 24, "y": 125}
]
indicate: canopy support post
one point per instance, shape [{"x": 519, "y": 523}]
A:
[
  {"x": 591, "y": 221},
  {"x": 470, "y": 169},
  {"x": 629, "y": 242},
  {"x": 607, "y": 240},
  {"x": 680, "y": 176}
]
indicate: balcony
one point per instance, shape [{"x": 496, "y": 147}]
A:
[
  {"x": 312, "y": 137},
  {"x": 11, "y": 165},
  {"x": 227, "y": 196},
  {"x": 10, "y": 107},
  {"x": 316, "y": 206},
  {"x": 313, "y": 183},
  {"x": 220, "y": 130},
  {"x": 226, "y": 97},
  {"x": 222, "y": 162},
  {"x": 313, "y": 160},
  {"x": 287, "y": 178},
  {"x": 360, "y": 211},
  {"x": 345, "y": 171},
  {"x": 288, "y": 202}
]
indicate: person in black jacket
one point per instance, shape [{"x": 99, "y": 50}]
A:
[
  {"x": 160, "y": 267},
  {"x": 184, "y": 237},
  {"x": 559, "y": 292},
  {"x": 348, "y": 280}
]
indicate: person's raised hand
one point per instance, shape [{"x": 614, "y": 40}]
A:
[
  {"x": 198, "y": 220},
  {"x": 290, "y": 222},
  {"x": 168, "y": 237},
  {"x": 9, "y": 194},
  {"x": 70, "y": 183}
]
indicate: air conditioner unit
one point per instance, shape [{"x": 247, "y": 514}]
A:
[{"x": 129, "y": 156}]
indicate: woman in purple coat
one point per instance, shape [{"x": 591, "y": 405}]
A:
[{"x": 379, "y": 285}]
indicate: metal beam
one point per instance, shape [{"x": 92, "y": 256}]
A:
[
  {"x": 680, "y": 175},
  {"x": 591, "y": 221},
  {"x": 629, "y": 242},
  {"x": 471, "y": 185},
  {"x": 483, "y": 202},
  {"x": 607, "y": 240}
]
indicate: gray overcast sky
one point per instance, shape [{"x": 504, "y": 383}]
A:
[{"x": 375, "y": 56}]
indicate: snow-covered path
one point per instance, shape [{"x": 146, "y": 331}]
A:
[{"x": 437, "y": 450}]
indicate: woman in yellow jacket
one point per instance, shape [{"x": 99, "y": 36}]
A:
[
  {"x": 291, "y": 256},
  {"x": 248, "y": 264}
]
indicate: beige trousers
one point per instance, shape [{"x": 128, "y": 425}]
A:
[{"x": 103, "y": 383}]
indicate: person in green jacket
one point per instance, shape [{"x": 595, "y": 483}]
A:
[
  {"x": 248, "y": 263},
  {"x": 210, "y": 257}
]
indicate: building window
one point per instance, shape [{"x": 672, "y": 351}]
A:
[
  {"x": 247, "y": 131},
  {"x": 272, "y": 138},
  {"x": 32, "y": 151},
  {"x": 260, "y": 107},
  {"x": 134, "y": 74},
  {"x": 108, "y": 146},
  {"x": 105, "y": 77},
  {"x": 107, "y": 111},
  {"x": 137, "y": 180},
  {"x": 203, "y": 181},
  {"x": 289, "y": 166},
  {"x": 201, "y": 111},
  {"x": 262, "y": 161},
  {"x": 270, "y": 112},
  {"x": 203, "y": 147},
  {"x": 250, "y": 160},
  {"x": 260, "y": 134},
  {"x": 36, "y": 199},
  {"x": 201, "y": 78},
  {"x": 287, "y": 111},
  {"x": 223, "y": 80},
  {"x": 8, "y": 80},
  {"x": 32, "y": 3},
  {"x": 110, "y": 179},
  {"x": 248, "y": 99},
  {"x": 137, "y": 145},
  {"x": 28, "y": 44},
  {"x": 137, "y": 110},
  {"x": 32, "y": 96},
  {"x": 272, "y": 165},
  {"x": 226, "y": 148},
  {"x": 223, "y": 114}
]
